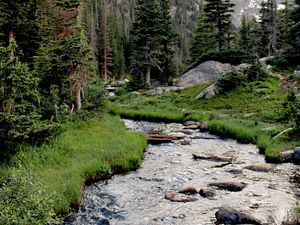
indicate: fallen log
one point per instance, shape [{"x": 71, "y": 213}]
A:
[{"x": 160, "y": 138}]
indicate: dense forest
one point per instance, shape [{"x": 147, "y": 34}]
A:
[{"x": 56, "y": 56}]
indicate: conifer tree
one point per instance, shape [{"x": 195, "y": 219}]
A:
[
  {"x": 284, "y": 24},
  {"x": 268, "y": 28},
  {"x": 144, "y": 39},
  {"x": 295, "y": 30},
  {"x": 246, "y": 37},
  {"x": 218, "y": 12},
  {"x": 203, "y": 39},
  {"x": 167, "y": 41}
]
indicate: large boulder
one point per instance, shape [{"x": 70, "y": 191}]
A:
[
  {"x": 204, "y": 73},
  {"x": 229, "y": 215},
  {"x": 229, "y": 186},
  {"x": 297, "y": 154}
]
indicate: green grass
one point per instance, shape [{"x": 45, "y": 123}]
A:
[
  {"x": 241, "y": 114},
  {"x": 87, "y": 151}
]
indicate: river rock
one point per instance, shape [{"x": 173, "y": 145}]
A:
[
  {"x": 297, "y": 73},
  {"x": 260, "y": 168},
  {"x": 208, "y": 193},
  {"x": 192, "y": 127},
  {"x": 160, "y": 138},
  {"x": 190, "y": 123},
  {"x": 297, "y": 154},
  {"x": 203, "y": 73},
  {"x": 188, "y": 190},
  {"x": 185, "y": 142},
  {"x": 229, "y": 215},
  {"x": 103, "y": 222},
  {"x": 212, "y": 158},
  {"x": 287, "y": 156},
  {"x": 229, "y": 186},
  {"x": 175, "y": 197}
]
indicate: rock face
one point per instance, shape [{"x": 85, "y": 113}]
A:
[
  {"x": 209, "y": 92},
  {"x": 204, "y": 73},
  {"x": 229, "y": 215}
]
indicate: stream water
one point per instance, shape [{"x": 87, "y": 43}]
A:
[{"x": 138, "y": 198}]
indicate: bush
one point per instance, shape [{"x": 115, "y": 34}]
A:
[
  {"x": 121, "y": 91},
  {"x": 94, "y": 97},
  {"x": 24, "y": 201},
  {"x": 279, "y": 63},
  {"x": 232, "y": 56},
  {"x": 291, "y": 109},
  {"x": 231, "y": 80}
]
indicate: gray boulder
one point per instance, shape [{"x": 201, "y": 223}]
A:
[
  {"x": 297, "y": 154},
  {"x": 204, "y": 73},
  {"x": 229, "y": 215},
  {"x": 297, "y": 73},
  {"x": 163, "y": 90},
  {"x": 209, "y": 92}
]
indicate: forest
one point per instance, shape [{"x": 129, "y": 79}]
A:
[{"x": 58, "y": 58}]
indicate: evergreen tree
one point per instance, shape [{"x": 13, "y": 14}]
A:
[
  {"x": 203, "y": 39},
  {"x": 19, "y": 116},
  {"x": 167, "y": 41},
  {"x": 218, "y": 12},
  {"x": 144, "y": 39},
  {"x": 246, "y": 35},
  {"x": 284, "y": 24},
  {"x": 268, "y": 28},
  {"x": 295, "y": 30}
]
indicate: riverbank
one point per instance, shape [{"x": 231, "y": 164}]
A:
[
  {"x": 88, "y": 151},
  {"x": 249, "y": 114}
]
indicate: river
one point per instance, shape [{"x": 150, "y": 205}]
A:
[{"x": 138, "y": 197}]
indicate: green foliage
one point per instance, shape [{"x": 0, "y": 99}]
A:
[
  {"x": 231, "y": 80},
  {"x": 68, "y": 4},
  {"x": 95, "y": 95},
  {"x": 203, "y": 39},
  {"x": 83, "y": 153},
  {"x": 291, "y": 109},
  {"x": 295, "y": 29},
  {"x": 280, "y": 63},
  {"x": 19, "y": 99},
  {"x": 218, "y": 12},
  {"x": 23, "y": 200},
  {"x": 232, "y": 56}
]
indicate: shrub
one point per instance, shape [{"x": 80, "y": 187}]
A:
[
  {"x": 231, "y": 80},
  {"x": 291, "y": 108},
  {"x": 121, "y": 91},
  {"x": 280, "y": 63},
  {"x": 24, "y": 201}
]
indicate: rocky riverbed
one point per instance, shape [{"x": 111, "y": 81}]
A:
[{"x": 188, "y": 180}]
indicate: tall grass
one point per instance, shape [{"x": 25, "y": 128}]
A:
[{"x": 89, "y": 150}]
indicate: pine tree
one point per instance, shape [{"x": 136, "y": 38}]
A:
[
  {"x": 167, "y": 41},
  {"x": 284, "y": 24},
  {"x": 144, "y": 39},
  {"x": 295, "y": 30},
  {"x": 19, "y": 116},
  {"x": 268, "y": 28},
  {"x": 218, "y": 12},
  {"x": 203, "y": 39},
  {"x": 246, "y": 37}
]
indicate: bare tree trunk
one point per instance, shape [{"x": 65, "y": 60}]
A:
[
  {"x": 78, "y": 89},
  {"x": 148, "y": 75},
  {"x": 10, "y": 39}
]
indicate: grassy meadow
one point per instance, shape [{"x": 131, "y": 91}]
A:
[{"x": 82, "y": 154}]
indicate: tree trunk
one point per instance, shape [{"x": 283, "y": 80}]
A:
[
  {"x": 78, "y": 89},
  {"x": 148, "y": 75}
]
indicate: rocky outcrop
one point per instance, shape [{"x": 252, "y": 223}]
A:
[
  {"x": 163, "y": 90},
  {"x": 204, "y": 73},
  {"x": 297, "y": 154},
  {"x": 229, "y": 215},
  {"x": 209, "y": 92},
  {"x": 175, "y": 197},
  {"x": 229, "y": 186}
]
